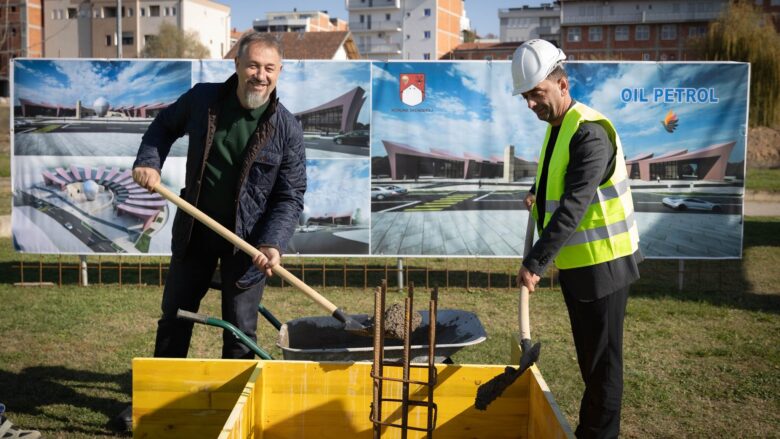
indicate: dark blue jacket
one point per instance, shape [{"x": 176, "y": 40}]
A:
[{"x": 272, "y": 180}]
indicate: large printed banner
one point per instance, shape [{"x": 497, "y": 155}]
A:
[{"x": 403, "y": 158}]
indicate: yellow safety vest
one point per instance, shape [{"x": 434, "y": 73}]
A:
[{"x": 607, "y": 231}]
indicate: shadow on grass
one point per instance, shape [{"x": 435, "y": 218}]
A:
[{"x": 45, "y": 391}]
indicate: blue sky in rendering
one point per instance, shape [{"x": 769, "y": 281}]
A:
[
  {"x": 337, "y": 187},
  {"x": 700, "y": 125},
  {"x": 469, "y": 107},
  {"x": 303, "y": 84},
  {"x": 122, "y": 83}
]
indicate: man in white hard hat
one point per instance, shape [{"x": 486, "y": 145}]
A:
[{"x": 581, "y": 201}]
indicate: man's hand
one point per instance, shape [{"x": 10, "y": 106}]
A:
[
  {"x": 527, "y": 278},
  {"x": 529, "y": 200},
  {"x": 146, "y": 177},
  {"x": 268, "y": 258}
]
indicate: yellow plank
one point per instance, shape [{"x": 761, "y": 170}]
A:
[
  {"x": 285, "y": 399},
  {"x": 545, "y": 419}
]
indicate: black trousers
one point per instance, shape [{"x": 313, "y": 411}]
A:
[
  {"x": 597, "y": 327},
  {"x": 188, "y": 281}
]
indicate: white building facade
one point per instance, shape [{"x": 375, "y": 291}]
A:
[
  {"x": 406, "y": 29},
  {"x": 87, "y": 29},
  {"x": 529, "y": 22}
]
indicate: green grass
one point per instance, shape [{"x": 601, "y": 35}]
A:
[
  {"x": 767, "y": 180},
  {"x": 699, "y": 363}
]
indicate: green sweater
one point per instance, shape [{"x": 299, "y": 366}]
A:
[{"x": 235, "y": 125}]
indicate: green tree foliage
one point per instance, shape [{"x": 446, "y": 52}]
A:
[
  {"x": 171, "y": 42},
  {"x": 744, "y": 33}
]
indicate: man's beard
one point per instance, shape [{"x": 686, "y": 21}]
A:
[{"x": 253, "y": 99}]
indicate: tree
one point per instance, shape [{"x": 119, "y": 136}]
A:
[
  {"x": 469, "y": 36},
  {"x": 172, "y": 42},
  {"x": 744, "y": 33}
]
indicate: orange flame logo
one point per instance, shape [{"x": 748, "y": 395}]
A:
[{"x": 670, "y": 122}]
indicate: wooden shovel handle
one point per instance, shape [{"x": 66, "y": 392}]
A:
[
  {"x": 242, "y": 245},
  {"x": 522, "y": 312}
]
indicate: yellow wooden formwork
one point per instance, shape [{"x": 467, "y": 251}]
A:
[{"x": 301, "y": 399}]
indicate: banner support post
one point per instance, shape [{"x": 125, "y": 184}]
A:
[
  {"x": 401, "y": 274},
  {"x": 680, "y": 275},
  {"x": 83, "y": 268}
]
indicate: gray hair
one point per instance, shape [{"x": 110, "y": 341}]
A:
[
  {"x": 264, "y": 38},
  {"x": 558, "y": 72}
]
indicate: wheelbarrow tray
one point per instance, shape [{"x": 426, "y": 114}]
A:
[
  {"x": 197, "y": 398},
  {"x": 323, "y": 338}
]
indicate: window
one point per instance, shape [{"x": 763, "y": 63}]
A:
[
  {"x": 149, "y": 38},
  {"x": 154, "y": 11},
  {"x": 645, "y": 56},
  {"x": 143, "y": 12},
  {"x": 697, "y": 31},
  {"x": 642, "y": 32},
  {"x": 621, "y": 33},
  {"x": 427, "y": 12},
  {"x": 387, "y": 17},
  {"x": 109, "y": 12},
  {"x": 669, "y": 32},
  {"x": 129, "y": 12},
  {"x": 108, "y": 40},
  {"x": 165, "y": 12},
  {"x": 594, "y": 33},
  {"x": 127, "y": 39},
  {"x": 426, "y": 55},
  {"x": 573, "y": 35},
  {"x": 13, "y": 31},
  {"x": 173, "y": 10},
  {"x": 72, "y": 13},
  {"x": 426, "y": 34},
  {"x": 362, "y": 18}
]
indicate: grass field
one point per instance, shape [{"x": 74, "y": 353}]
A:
[
  {"x": 767, "y": 180},
  {"x": 704, "y": 362}
]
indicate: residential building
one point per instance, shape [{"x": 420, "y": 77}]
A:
[
  {"x": 314, "y": 45},
  {"x": 87, "y": 28},
  {"x": 406, "y": 29},
  {"x": 21, "y": 35},
  {"x": 299, "y": 21},
  {"x": 483, "y": 50},
  {"x": 529, "y": 22},
  {"x": 656, "y": 30}
]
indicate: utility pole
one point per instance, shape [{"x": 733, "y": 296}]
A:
[{"x": 119, "y": 28}]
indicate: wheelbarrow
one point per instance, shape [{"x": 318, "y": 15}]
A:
[{"x": 322, "y": 338}]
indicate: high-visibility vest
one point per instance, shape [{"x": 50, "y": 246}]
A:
[{"x": 607, "y": 231}]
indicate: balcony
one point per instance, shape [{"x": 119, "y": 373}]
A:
[
  {"x": 372, "y": 5},
  {"x": 379, "y": 26},
  {"x": 379, "y": 49},
  {"x": 638, "y": 17}
]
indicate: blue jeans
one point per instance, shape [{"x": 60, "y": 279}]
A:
[{"x": 188, "y": 281}]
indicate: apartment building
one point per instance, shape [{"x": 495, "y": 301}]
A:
[
  {"x": 21, "y": 35},
  {"x": 655, "y": 30},
  {"x": 87, "y": 28},
  {"x": 529, "y": 22},
  {"x": 406, "y": 29},
  {"x": 299, "y": 21}
]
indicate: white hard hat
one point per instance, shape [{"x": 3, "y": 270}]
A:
[{"x": 532, "y": 62}]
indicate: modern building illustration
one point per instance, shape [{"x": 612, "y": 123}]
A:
[
  {"x": 127, "y": 197},
  {"x": 337, "y": 116},
  {"x": 407, "y": 162},
  {"x": 708, "y": 163},
  {"x": 28, "y": 108}
]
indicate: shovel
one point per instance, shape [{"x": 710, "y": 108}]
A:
[
  {"x": 488, "y": 392},
  {"x": 350, "y": 324}
]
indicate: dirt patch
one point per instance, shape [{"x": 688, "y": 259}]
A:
[
  {"x": 763, "y": 149},
  {"x": 492, "y": 389},
  {"x": 394, "y": 321}
]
